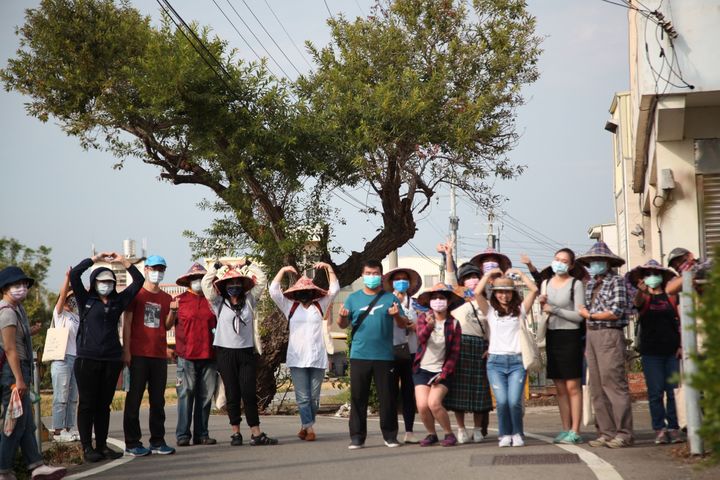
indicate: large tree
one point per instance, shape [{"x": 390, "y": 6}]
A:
[{"x": 419, "y": 94}]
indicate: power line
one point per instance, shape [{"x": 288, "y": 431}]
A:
[
  {"x": 411, "y": 245},
  {"x": 288, "y": 35},
  {"x": 328, "y": 8},
  {"x": 268, "y": 34}
]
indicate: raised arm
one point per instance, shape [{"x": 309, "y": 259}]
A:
[
  {"x": 276, "y": 292},
  {"x": 76, "y": 272},
  {"x": 446, "y": 249},
  {"x": 64, "y": 289},
  {"x": 260, "y": 279},
  {"x": 531, "y": 286},
  {"x": 480, "y": 289},
  {"x": 674, "y": 286},
  {"x": 207, "y": 283}
]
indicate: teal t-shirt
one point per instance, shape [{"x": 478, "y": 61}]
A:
[{"x": 374, "y": 339}]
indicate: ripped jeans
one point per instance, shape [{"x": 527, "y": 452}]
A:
[{"x": 507, "y": 379}]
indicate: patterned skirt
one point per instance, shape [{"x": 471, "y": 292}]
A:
[{"x": 469, "y": 390}]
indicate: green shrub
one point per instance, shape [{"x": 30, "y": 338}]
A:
[{"x": 708, "y": 361}]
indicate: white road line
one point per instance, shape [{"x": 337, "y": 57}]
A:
[
  {"x": 601, "y": 469},
  {"x": 108, "y": 466}
]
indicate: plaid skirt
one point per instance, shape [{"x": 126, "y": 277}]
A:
[{"x": 469, "y": 390}]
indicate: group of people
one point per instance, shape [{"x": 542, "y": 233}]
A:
[{"x": 444, "y": 350}]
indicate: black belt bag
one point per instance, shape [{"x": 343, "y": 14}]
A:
[{"x": 402, "y": 351}]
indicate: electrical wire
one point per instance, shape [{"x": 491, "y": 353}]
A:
[
  {"x": 294, "y": 44},
  {"x": 417, "y": 250},
  {"x": 328, "y": 9}
]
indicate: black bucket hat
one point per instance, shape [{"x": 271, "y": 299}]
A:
[{"x": 13, "y": 274}]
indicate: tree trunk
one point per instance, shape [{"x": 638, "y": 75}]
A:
[{"x": 274, "y": 337}]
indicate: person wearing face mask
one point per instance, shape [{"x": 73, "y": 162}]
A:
[
  {"x": 304, "y": 305},
  {"x": 660, "y": 350},
  {"x": 562, "y": 298},
  {"x": 99, "y": 352},
  {"x": 439, "y": 336},
  {"x": 505, "y": 309},
  {"x": 404, "y": 283},
  {"x": 605, "y": 312},
  {"x": 469, "y": 390},
  {"x": 490, "y": 259},
  {"x": 65, "y": 394},
  {"x": 196, "y": 368},
  {"x": 233, "y": 292},
  {"x": 147, "y": 320},
  {"x": 371, "y": 312},
  {"x": 16, "y": 377}
]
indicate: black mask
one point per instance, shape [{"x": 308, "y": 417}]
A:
[{"x": 304, "y": 296}]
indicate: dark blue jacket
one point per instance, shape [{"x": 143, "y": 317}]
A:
[{"x": 98, "y": 336}]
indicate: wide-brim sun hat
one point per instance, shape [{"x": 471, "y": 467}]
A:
[
  {"x": 599, "y": 252},
  {"x": 454, "y": 300},
  {"x": 13, "y": 274},
  {"x": 503, "y": 284},
  {"x": 195, "y": 271},
  {"x": 304, "y": 283},
  {"x": 503, "y": 260},
  {"x": 651, "y": 267},
  {"x": 232, "y": 273},
  {"x": 415, "y": 280}
]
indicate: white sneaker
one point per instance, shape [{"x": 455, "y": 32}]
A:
[
  {"x": 63, "y": 437},
  {"x": 46, "y": 472},
  {"x": 517, "y": 440},
  {"x": 75, "y": 435},
  {"x": 392, "y": 443},
  {"x": 505, "y": 441},
  {"x": 410, "y": 438},
  {"x": 462, "y": 436},
  {"x": 478, "y": 436}
]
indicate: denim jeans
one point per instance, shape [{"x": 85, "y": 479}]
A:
[
  {"x": 23, "y": 435},
  {"x": 307, "y": 383},
  {"x": 507, "y": 379},
  {"x": 65, "y": 393},
  {"x": 658, "y": 371},
  {"x": 196, "y": 381}
]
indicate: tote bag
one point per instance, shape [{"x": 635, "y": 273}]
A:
[
  {"x": 56, "y": 342},
  {"x": 528, "y": 346}
]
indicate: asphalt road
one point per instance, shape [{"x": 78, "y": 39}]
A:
[{"x": 328, "y": 457}]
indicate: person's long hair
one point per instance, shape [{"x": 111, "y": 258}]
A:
[{"x": 513, "y": 307}]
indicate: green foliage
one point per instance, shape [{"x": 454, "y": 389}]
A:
[{"x": 708, "y": 361}]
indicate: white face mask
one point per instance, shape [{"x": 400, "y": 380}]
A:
[
  {"x": 19, "y": 292},
  {"x": 196, "y": 286},
  {"x": 155, "y": 276},
  {"x": 438, "y": 304},
  {"x": 104, "y": 288}
]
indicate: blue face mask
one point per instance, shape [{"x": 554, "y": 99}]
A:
[
  {"x": 559, "y": 267},
  {"x": 598, "y": 268},
  {"x": 372, "y": 281},
  {"x": 401, "y": 285},
  {"x": 653, "y": 281}
]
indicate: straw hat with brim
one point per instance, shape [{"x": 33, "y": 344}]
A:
[
  {"x": 599, "y": 252},
  {"x": 650, "y": 268},
  {"x": 12, "y": 274},
  {"x": 195, "y": 271},
  {"x": 232, "y": 273},
  {"x": 503, "y": 284},
  {"x": 305, "y": 284},
  {"x": 503, "y": 260},
  {"x": 415, "y": 280},
  {"x": 577, "y": 271},
  {"x": 454, "y": 300}
]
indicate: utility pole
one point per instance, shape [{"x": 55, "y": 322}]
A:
[
  {"x": 454, "y": 221},
  {"x": 492, "y": 239}
]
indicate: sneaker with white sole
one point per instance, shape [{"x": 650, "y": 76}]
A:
[
  {"x": 505, "y": 441},
  {"x": 462, "y": 436},
  {"x": 478, "y": 435},
  {"x": 392, "y": 443},
  {"x": 517, "y": 440},
  {"x": 356, "y": 445},
  {"x": 63, "y": 437},
  {"x": 46, "y": 472},
  {"x": 410, "y": 438}
]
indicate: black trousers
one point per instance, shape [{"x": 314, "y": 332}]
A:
[
  {"x": 96, "y": 381},
  {"x": 362, "y": 373},
  {"x": 404, "y": 385},
  {"x": 151, "y": 373},
  {"x": 238, "y": 370}
]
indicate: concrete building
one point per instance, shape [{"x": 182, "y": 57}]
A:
[{"x": 666, "y": 132}]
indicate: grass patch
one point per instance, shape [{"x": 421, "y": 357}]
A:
[{"x": 118, "y": 402}]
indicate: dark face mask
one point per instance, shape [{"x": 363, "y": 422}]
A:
[
  {"x": 304, "y": 296},
  {"x": 235, "y": 290}
]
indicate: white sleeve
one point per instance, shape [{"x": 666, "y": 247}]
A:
[
  {"x": 282, "y": 302},
  {"x": 260, "y": 281},
  {"x": 327, "y": 299}
]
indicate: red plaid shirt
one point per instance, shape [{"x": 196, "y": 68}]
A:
[{"x": 453, "y": 335}]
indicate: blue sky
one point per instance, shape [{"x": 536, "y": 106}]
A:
[{"x": 56, "y": 194}]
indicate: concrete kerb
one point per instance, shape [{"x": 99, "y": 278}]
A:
[{"x": 107, "y": 466}]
